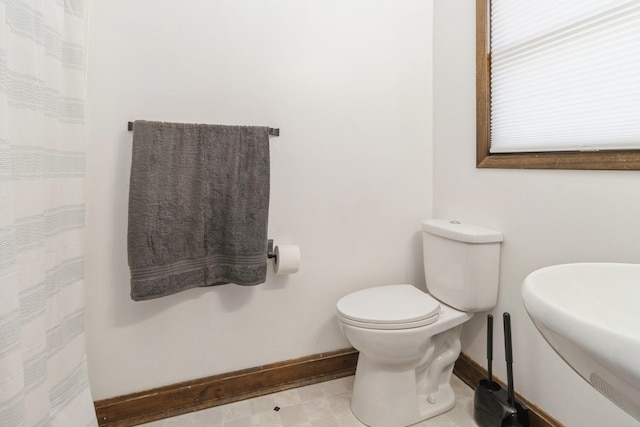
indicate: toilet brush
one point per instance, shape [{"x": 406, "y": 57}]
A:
[
  {"x": 490, "y": 408},
  {"x": 521, "y": 417},
  {"x": 493, "y": 405}
]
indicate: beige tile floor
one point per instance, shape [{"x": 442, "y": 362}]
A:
[{"x": 319, "y": 405}]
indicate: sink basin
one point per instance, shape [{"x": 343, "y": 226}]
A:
[{"x": 589, "y": 313}]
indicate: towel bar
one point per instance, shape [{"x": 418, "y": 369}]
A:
[{"x": 272, "y": 131}]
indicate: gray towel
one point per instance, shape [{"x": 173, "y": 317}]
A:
[{"x": 198, "y": 207}]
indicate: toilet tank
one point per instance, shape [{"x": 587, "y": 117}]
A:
[{"x": 461, "y": 263}]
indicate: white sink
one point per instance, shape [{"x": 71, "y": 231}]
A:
[{"x": 590, "y": 314}]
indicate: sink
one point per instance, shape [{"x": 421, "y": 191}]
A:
[{"x": 589, "y": 313}]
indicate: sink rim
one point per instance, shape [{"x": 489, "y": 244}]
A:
[{"x": 604, "y": 316}]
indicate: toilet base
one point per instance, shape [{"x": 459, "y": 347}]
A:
[{"x": 398, "y": 395}]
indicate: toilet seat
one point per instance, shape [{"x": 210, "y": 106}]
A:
[{"x": 389, "y": 307}]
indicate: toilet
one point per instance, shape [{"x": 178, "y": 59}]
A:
[{"x": 409, "y": 339}]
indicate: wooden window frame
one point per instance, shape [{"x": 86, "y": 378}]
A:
[{"x": 594, "y": 160}]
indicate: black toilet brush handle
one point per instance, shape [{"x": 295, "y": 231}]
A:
[
  {"x": 489, "y": 347},
  {"x": 509, "y": 356}
]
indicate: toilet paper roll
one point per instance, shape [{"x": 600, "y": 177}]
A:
[{"x": 287, "y": 259}]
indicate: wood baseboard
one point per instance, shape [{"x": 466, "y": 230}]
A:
[
  {"x": 189, "y": 396},
  {"x": 471, "y": 373},
  {"x": 176, "y": 399}
]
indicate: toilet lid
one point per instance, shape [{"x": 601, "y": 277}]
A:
[{"x": 390, "y": 305}]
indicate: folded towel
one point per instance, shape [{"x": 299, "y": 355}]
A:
[{"x": 198, "y": 207}]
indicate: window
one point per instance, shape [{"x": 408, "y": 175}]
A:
[{"x": 565, "y": 92}]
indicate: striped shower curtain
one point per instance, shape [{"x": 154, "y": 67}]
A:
[{"x": 43, "y": 371}]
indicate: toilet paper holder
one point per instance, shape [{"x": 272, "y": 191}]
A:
[
  {"x": 270, "y": 251},
  {"x": 286, "y": 258}
]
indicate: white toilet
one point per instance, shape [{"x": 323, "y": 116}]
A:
[{"x": 408, "y": 339}]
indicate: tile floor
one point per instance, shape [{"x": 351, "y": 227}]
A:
[{"x": 319, "y": 405}]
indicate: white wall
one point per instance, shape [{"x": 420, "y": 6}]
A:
[
  {"x": 349, "y": 86},
  {"x": 547, "y": 217}
]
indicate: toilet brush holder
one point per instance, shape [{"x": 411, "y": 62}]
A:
[{"x": 493, "y": 405}]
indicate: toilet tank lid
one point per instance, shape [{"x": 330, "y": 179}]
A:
[{"x": 461, "y": 231}]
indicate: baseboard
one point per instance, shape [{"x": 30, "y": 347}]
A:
[
  {"x": 471, "y": 373},
  {"x": 176, "y": 399}
]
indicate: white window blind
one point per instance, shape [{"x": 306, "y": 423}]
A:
[{"x": 565, "y": 75}]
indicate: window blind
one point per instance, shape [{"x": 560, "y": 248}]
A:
[{"x": 565, "y": 75}]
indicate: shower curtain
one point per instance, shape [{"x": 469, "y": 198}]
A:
[{"x": 43, "y": 370}]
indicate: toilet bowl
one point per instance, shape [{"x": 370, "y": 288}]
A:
[
  {"x": 397, "y": 381},
  {"x": 409, "y": 339}
]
